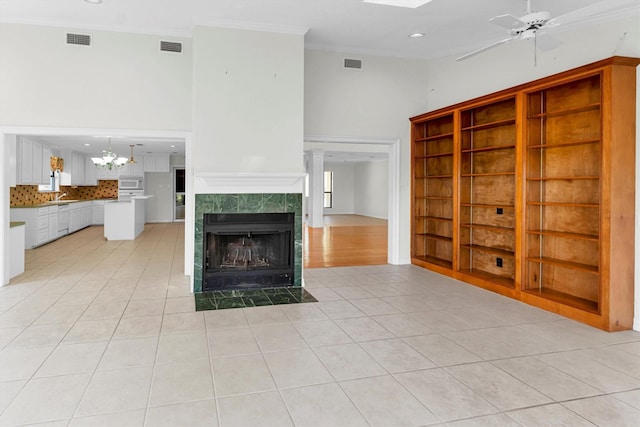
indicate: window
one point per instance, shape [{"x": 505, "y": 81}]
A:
[{"x": 328, "y": 189}]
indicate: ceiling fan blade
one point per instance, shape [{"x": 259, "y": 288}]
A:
[
  {"x": 507, "y": 21},
  {"x": 482, "y": 49},
  {"x": 600, "y": 7}
]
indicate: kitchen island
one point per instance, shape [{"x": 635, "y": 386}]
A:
[{"x": 125, "y": 220}]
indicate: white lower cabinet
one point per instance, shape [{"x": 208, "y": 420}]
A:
[
  {"x": 41, "y": 224},
  {"x": 98, "y": 212}
]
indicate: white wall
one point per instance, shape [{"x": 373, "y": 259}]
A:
[
  {"x": 121, "y": 81},
  {"x": 160, "y": 207},
  {"x": 371, "y": 189},
  {"x": 343, "y": 188},
  {"x": 248, "y": 101}
]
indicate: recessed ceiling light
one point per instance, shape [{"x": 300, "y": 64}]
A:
[
  {"x": 399, "y": 3},
  {"x": 94, "y": 1},
  {"x": 416, "y": 35},
  {"x": 172, "y": 146},
  {"x": 87, "y": 144}
]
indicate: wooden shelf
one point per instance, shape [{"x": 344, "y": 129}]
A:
[
  {"x": 485, "y": 149},
  {"x": 563, "y": 204},
  {"x": 434, "y": 198},
  {"x": 434, "y": 177},
  {"x": 485, "y": 206},
  {"x": 563, "y": 234},
  {"x": 434, "y": 218},
  {"x": 431, "y": 156},
  {"x": 435, "y": 137},
  {"x": 490, "y": 125},
  {"x": 487, "y": 249},
  {"x": 567, "y": 112},
  {"x": 489, "y": 227},
  {"x": 565, "y": 144},
  {"x": 434, "y": 237},
  {"x": 494, "y": 278},
  {"x": 433, "y": 260},
  {"x": 471, "y": 175},
  {"x": 564, "y": 178},
  {"x": 565, "y": 299},
  {"x": 566, "y": 264}
]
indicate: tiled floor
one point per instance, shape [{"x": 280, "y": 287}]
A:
[{"x": 102, "y": 333}]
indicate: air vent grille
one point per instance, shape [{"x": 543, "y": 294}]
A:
[
  {"x": 81, "y": 39},
  {"x": 352, "y": 63},
  {"x": 170, "y": 46}
]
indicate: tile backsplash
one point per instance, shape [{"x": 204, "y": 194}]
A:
[{"x": 22, "y": 195}]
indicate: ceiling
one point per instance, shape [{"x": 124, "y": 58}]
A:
[
  {"x": 95, "y": 145},
  {"x": 451, "y": 28}
]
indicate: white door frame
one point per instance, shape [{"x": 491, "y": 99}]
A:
[{"x": 393, "y": 201}]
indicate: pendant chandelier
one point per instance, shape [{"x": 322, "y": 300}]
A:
[{"x": 109, "y": 159}]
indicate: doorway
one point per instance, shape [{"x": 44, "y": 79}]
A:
[{"x": 178, "y": 194}]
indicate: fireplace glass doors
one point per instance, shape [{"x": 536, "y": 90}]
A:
[{"x": 248, "y": 250}]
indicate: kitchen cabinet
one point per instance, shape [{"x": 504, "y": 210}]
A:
[
  {"x": 133, "y": 169},
  {"x": 16, "y": 245},
  {"x": 41, "y": 224},
  {"x": 106, "y": 174},
  {"x": 12, "y": 156},
  {"x": 32, "y": 168},
  {"x": 80, "y": 215},
  {"x": 98, "y": 212},
  {"x": 74, "y": 169},
  {"x": 157, "y": 163},
  {"x": 90, "y": 172}
]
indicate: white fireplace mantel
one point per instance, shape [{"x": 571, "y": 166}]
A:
[{"x": 245, "y": 182}]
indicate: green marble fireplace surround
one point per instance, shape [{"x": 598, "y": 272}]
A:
[{"x": 246, "y": 203}]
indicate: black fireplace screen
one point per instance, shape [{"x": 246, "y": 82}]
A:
[{"x": 248, "y": 250}]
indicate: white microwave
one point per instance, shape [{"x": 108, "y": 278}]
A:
[{"x": 131, "y": 183}]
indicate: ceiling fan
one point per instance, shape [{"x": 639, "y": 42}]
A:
[{"x": 532, "y": 24}]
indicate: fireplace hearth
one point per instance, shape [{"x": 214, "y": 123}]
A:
[{"x": 247, "y": 250}]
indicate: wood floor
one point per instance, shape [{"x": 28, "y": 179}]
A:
[{"x": 346, "y": 240}]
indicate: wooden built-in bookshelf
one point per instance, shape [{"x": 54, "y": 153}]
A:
[{"x": 529, "y": 192}]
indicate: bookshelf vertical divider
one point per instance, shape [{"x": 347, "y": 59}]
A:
[{"x": 526, "y": 192}]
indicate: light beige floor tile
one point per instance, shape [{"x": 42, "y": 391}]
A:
[
  {"x": 185, "y": 304},
  {"x": 138, "y": 327},
  {"x": 192, "y": 414},
  {"x": 8, "y": 334},
  {"x": 232, "y": 342},
  {"x": 241, "y": 374},
  {"x": 499, "y": 388},
  {"x": 147, "y": 307},
  {"x": 177, "y": 348},
  {"x": 116, "y": 391},
  {"x": 339, "y": 309},
  {"x": 133, "y": 418},
  {"x": 616, "y": 359},
  {"x": 181, "y": 382},
  {"x": 325, "y": 294},
  {"x": 605, "y": 411},
  {"x": 8, "y": 391},
  {"x": 382, "y": 291},
  {"x": 546, "y": 379},
  {"x": 182, "y": 322},
  {"x": 107, "y": 310},
  {"x": 46, "y": 399},
  {"x": 303, "y": 312},
  {"x": 129, "y": 353},
  {"x": 441, "y": 350},
  {"x": 322, "y": 405},
  {"x": 91, "y": 330},
  {"x": 579, "y": 365},
  {"x": 296, "y": 368},
  {"x": 77, "y": 298},
  {"x": 348, "y": 361},
  {"x": 631, "y": 348},
  {"x": 21, "y": 363},
  {"x": 278, "y": 337},
  {"x": 352, "y": 292},
  {"x": 322, "y": 333},
  {"x": 549, "y": 415},
  {"x": 260, "y": 409},
  {"x": 384, "y": 402},
  {"x": 402, "y": 325},
  {"x": 73, "y": 359},
  {"x": 41, "y": 335},
  {"x": 363, "y": 329},
  {"x": 498, "y": 420},
  {"x": 396, "y": 356},
  {"x": 225, "y": 319},
  {"x": 60, "y": 314},
  {"x": 631, "y": 397},
  {"x": 265, "y": 315},
  {"x": 444, "y": 395},
  {"x": 439, "y": 321},
  {"x": 374, "y": 306}
]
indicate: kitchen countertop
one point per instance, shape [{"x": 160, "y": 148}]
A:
[
  {"x": 60, "y": 202},
  {"x": 16, "y": 224}
]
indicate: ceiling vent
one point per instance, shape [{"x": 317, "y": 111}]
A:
[
  {"x": 170, "y": 46},
  {"x": 352, "y": 63},
  {"x": 81, "y": 39}
]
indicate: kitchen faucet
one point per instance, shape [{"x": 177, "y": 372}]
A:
[{"x": 60, "y": 196}]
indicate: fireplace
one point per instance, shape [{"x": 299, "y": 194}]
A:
[{"x": 247, "y": 250}]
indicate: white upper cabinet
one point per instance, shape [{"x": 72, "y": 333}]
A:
[
  {"x": 157, "y": 163},
  {"x": 103, "y": 173},
  {"x": 90, "y": 172},
  {"x": 78, "y": 169},
  {"x": 134, "y": 169},
  {"x": 31, "y": 167}
]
